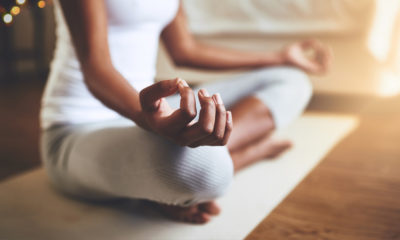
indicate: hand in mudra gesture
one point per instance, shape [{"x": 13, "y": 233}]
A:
[
  {"x": 310, "y": 55},
  {"x": 213, "y": 127}
]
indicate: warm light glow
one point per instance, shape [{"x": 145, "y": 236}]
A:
[
  {"x": 20, "y": 2},
  {"x": 389, "y": 85},
  {"x": 15, "y": 10},
  {"x": 7, "y": 18},
  {"x": 382, "y": 28},
  {"x": 41, "y": 4}
]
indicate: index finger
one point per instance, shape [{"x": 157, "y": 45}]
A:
[
  {"x": 181, "y": 117},
  {"x": 150, "y": 96}
]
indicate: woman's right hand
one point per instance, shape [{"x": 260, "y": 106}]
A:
[{"x": 213, "y": 127}]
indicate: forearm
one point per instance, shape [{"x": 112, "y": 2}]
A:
[
  {"x": 185, "y": 50},
  {"x": 113, "y": 90},
  {"x": 210, "y": 57}
]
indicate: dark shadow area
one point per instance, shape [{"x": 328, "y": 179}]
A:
[{"x": 19, "y": 127}]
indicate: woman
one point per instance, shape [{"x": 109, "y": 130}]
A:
[{"x": 109, "y": 131}]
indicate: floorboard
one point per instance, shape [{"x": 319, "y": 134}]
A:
[{"x": 355, "y": 191}]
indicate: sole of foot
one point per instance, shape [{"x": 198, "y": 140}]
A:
[
  {"x": 272, "y": 148},
  {"x": 197, "y": 214}
]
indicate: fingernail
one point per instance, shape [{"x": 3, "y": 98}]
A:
[
  {"x": 183, "y": 82},
  {"x": 204, "y": 93},
  {"x": 229, "y": 118},
  {"x": 218, "y": 98}
]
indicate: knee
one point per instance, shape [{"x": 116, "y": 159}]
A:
[
  {"x": 297, "y": 92},
  {"x": 302, "y": 83},
  {"x": 292, "y": 82},
  {"x": 202, "y": 174},
  {"x": 301, "y": 87},
  {"x": 287, "y": 91},
  {"x": 209, "y": 175}
]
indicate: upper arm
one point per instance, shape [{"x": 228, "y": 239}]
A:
[
  {"x": 177, "y": 38},
  {"x": 87, "y": 22}
]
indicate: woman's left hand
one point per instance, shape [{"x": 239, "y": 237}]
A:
[{"x": 310, "y": 55}]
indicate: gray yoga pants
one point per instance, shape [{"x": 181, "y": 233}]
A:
[{"x": 117, "y": 159}]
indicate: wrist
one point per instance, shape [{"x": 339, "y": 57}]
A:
[
  {"x": 281, "y": 57},
  {"x": 139, "y": 118},
  {"x": 274, "y": 58}
]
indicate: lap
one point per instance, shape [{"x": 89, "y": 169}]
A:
[
  {"x": 118, "y": 158},
  {"x": 237, "y": 87}
]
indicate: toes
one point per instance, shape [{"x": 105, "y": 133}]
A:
[
  {"x": 197, "y": 218},
  {"x": 278, "y": 147},
  {"x": 191, "y": 214},
  {"x": 285, "y": 143},
  {"x": 210, "y": 207}
]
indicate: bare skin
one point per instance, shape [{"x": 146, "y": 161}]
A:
[
  {"x": 248, "y": 142},
  {"x": 253, "y": 121},
  {"x": 250, "y": 139},
  {"x": 197, "y": 214}
]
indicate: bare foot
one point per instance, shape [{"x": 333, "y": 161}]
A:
[
  {"x": 265, "y": 148},
  {"x": 270, "y": 148},
  {"x": 198, "y": 214}
]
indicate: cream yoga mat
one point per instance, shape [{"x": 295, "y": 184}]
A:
[{"x": 30, "y": 209}]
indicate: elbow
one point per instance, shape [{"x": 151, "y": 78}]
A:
[
  {"x": 94, "y": 60},
  {"x": 181, "y": 60},
  {"x": 183, "y": 56},
  {"x": 93, "y": 74},
  {"x": 89, "y": 81}
]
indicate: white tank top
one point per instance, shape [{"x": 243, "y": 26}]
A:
[{"x": 134, "y": 28}]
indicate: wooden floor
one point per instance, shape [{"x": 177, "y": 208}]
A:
[{"x": 353, "y": 194}]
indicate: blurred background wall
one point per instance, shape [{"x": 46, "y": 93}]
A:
[{"x": 364, "y": 36}]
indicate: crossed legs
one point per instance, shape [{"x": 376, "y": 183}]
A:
[
  {"x": 250, "y": 141},
  {"x": 260, "y": 102},
  {"x": 118, "y": 159}
]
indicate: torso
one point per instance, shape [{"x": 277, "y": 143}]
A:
[{"x": 134, "y": 27}]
